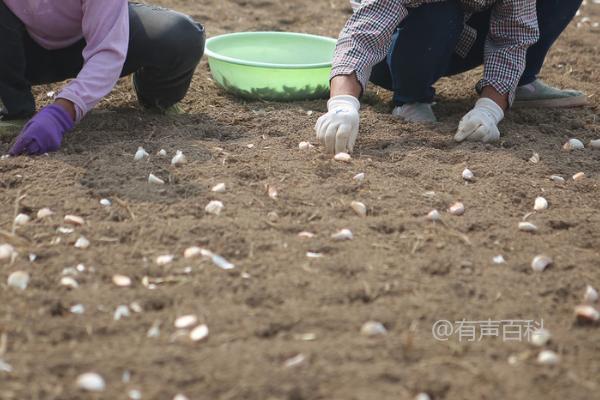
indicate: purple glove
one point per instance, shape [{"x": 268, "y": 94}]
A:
[{"x": 44, "y": 132}]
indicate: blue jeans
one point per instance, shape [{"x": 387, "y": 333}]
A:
[{"x": 422, "y": 49}]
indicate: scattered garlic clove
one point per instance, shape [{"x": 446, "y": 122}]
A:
[
  {"x": 69, "y": 282},
  {"x": 74, "y": 220},
  {"x": 6, "y": 251},
  {"x": 305, "y": 146},
  {"x": 136, "y": 307},
  {"x": 342, "y": 157},
  {"x": 91, "y": 382},
  {"x": 180, "y": 396},
  {"x": 32, "y": 257},
  {"x": 373, "y": 328},
  {"x": 344, "y": 234},
  {"x": 527, "y": 227},
  {"x": 199, "y": 333},
  {"x": 540, "y": 337},
  {"x": 359, "y": 177},
  {"x": 162, "y": 153},
  {"x": 294, "y": 361},
  {"x": 573, "y": 144},
  {"x": 540, "y": 204},
  {"x": 540, "y": 263},
  {"x": 548, "y": 357},
  {"x": 221, "y": 262},
  {"x": 22, "y": 219},
  {"x": 457, "y": 208},
  {"x": 579, "y": 176},
  {"x": 105, "y": 202},
  {"x": 165, "y": 259},
  {"x": 179, "y": 158},
  {"x": 272, "y": 191},
  {"x": 140, "y": 154},
  {"x": 468, "y": 175},
  {"x": 44, "y": 213},
  {"x": 595, "y": 144},
  {"x": 557, "y": 179},
  {"x": 154, "y": 330},
  {"x": 422, "y": 396},
  {"x": 359, "y": 208},
  {"x": 311, "y": 254},
  {"x": 587, "y": 313},
  {"x": 121, "y": 311},
  {"x": 306, "y": 235},
  {"x": 219, "y": 188},
  {"x": 18, "y": 279},
  {"x": 186, "y": 321},
  {"x": 65, "y": 231},
  {"x": 434, "y": 215},
  {"x": 82, "y": 243},
  {"x": 590, "y": 295},
  {"x": 192, "y": 252},
  {"x": 535, "y": 158},
  {"x": 121, "y": 280},
  {"x": 499, "y": 259},
  {"x": 155, "y": 180},
  {"x": 134, "y": 394},
  {"x": 214, "y": 207},
  {"x": 77, "y": 309}
]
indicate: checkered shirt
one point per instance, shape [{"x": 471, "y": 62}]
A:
[{"x": 367, "y": 36}]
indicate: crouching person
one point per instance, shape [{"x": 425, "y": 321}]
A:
[{"x": 94, "y": 42}]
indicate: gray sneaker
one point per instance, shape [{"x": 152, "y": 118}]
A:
[
  {"x": 415, "y": 112},
  {"x": 538, "y": 94}
]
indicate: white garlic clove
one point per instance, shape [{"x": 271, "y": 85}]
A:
[
  {"x": 64, "y": 230},
  {"x": 540, "y": 263},
  {"x": 186, "y": 321},
  {"x": 219, "y": 188},
  {"x": 422, "y": 396},
  {"x": 91, "y": 382},
  {"x": 573, "y": 144},
  {"x": 305, "y": 146},
  {"x": 306, "y": 235},
  {"x": 134, "y": 394},
  {"x": 250, "y": 146},
  {"x": 192, "y": 252},
  {"x": 359, "y": 177},
  {"x": 6, "y": 251},
  {"x": 499, "y": 259},
  {"x": 214, "y": 207},
  {"x": 82, "y": 243},
  {"x": 579, "y": 176},
  {"x": 540, "y": 337},
  {"x": 162, "y": 153},
  {"x": 548, "y": 357},
  {"x": 359, "y": 208},
  {"x": 595, "y": 144},
  {"x": 180, "y": 396},
  {"x": 373, "y": 328},
  {"x": 22, "y": 219},
  {"x": 140, "y": 154},
  {"x": 557, "y": 179},
  {"x": 540, "y": 204},
  {"x": 587, "y": 313},
  {"x": 44, "y": 213},
  {"x": 527, "y": 227},
  {"x": 272, "y": 191},
  {"x": 105, "y": 202},
  {"x": 535, "y": 158},
  {"x": 590, "y": 295},
  {"x": 221, "y": 262},
  {"x": 457, "y": 208},
  {"x": 69, "y": 282},
  {"x": 342, "y": 157},
  {"x": 74, "y": 220},
  {"x": 434, "y": 215},
  {"x": 32, "y": 257},
  {"x": 77, "y": 309},
  {"x": 136, "y": 307},
  {"x": 311, "y": 254},
  {"x": 179, "y": 158},
  {"x": 155, "y": 180},
  {"x": 344, "y": 234},
  {"x": 468, "y": 175},
  {"x": 121, "y": 311},
  {"x": 165, "y": 259},
  {"x": 154, "y": 330},
  {"x": 294, "y": 361},
  {"x": 199, "y": 333},
  {"x": 19, "y": 280},
  {"x": 121, "y": 280}
]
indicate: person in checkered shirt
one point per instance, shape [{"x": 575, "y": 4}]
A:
[{"x": 407, "y": 45}]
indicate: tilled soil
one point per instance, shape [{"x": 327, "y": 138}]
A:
[{"x": 400, "y": 269}]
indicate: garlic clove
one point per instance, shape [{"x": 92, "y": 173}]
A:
[
  {"x": 373, "y": 328},
  {"x": 359, "y": 177},
  {"x": 294, "y": 361},
  {"x": 82, "y": 243},
  {"x": 180, "y": 396},
  {"x": 587, "y": 313},
  {"x": 557, "y": 179},
  {"x": 579, "y": 176},
  {"x": 540, "y": 337},
  {"x": 540, "y": 263},
  {"x": 18, "y": 279},
  {"x": 344, "y": 234},
  {"x": 44, "y": 213},
  {"x": 105, "y": 202},
  {"x": 91, "y": 382},
  {"x": 162, "y": 153},
  {"x": 192, "y": 252},
  {"x": 305, "y": 146},
  {"x": 272, "y": 191},
  {"x": 540, "y": 204},
  {"x": 140, "y": 154},
  {"x": 457, "y": 208},
  {"x": 434, "y": 215},
  {"x": 342, "y": 157},
  {"x": 69, "y": 282},
  {"x": 422, "y": 396},
  {"x": 306, "y": 235},
  {"x": 219, "y": 188},
  {"x": 359, "y": 208},
  {"x": 186, "y": 321},
  {"x": 6, "y": 251},
  {"x": 221, "y": 262},
  {"x": 121, "y": 311},
  {"x": 199, "y": 333},
  {"x": 573, "y": 144},
  {"x": 548, "y": 357},
  {"x": 311, "y": 254},
  {"x": 595, "y": 144},
  {"x": 155, "y": 180},
  {"x": 77, "y": 309},
  {"x": 165, "y": 259},
  {"x": 527, "y": 227},
  {"x": 22, "y": 219},
  {"x": 179, "y": 158},
  {"x": 535, "y": 158},
  {"x": 590, "y": 295},
  {"x": 74, "y": 220},
  {"x": 121, "y": 280},
  {"x": 468, "y": 175},
  {"x": 214, "y": 207},
  {"x": 499, "y": 259}
]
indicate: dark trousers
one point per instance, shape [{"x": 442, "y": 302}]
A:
[
  {"x": 164, "y": 49},
  {"x": 423, "y": 47}
]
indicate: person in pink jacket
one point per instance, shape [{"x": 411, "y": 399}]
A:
[{"x": 95, "y": 42}]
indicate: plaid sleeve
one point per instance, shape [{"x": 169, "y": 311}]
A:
[
  {"x": 366, "y": 37},
  {"x": 513, "y": 28}
]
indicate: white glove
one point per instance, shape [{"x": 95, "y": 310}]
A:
[
  {"x": 481, "y": 123},
  {"x": 338, "y": 129}
]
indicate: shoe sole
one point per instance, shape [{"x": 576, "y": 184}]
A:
[{"x": 564, "y": 102}]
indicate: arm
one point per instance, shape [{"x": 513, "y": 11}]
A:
[{"x": 105, "y": 28}]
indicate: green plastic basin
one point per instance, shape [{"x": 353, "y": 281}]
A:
[{"x": 278, "y": 66}]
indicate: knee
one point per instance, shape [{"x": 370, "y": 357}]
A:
[{"x": 188, "y": 38}]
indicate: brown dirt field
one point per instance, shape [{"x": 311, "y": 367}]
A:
[{"x": 400, "y": 269}]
